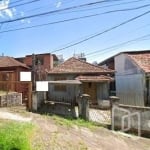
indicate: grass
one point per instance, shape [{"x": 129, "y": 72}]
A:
[
  {"x": 15, "y": 135},
  {"x": 69, "y": 122}
]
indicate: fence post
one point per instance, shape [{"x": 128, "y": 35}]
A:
[
  {"x": 83, "y": 103},
  {"x": 30, "y": 96},
  {"x": 114, "y": 103},
  {"x": 34, "y": 101}
]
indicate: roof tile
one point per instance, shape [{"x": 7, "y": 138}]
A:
[
  {"x": 94, "y": 78},
  {"x": 6, "y": 61},
  {"x": 142, "y": 60},
  {"x": 74, "y": 65}
]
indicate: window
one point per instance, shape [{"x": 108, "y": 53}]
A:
[
  {"x": 39, "y": 60},
  {"x": 5, "y": 77},
  {"x": 60, "y": 87}
]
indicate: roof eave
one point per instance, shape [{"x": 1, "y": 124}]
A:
[{"x": 80, "y": 72}]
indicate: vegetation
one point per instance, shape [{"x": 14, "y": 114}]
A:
[
  {"x": 78, "y": 122},
  {"x": 15, "y": 135}
]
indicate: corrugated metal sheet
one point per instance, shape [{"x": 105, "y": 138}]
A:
[{"x": 130, "y": 89}]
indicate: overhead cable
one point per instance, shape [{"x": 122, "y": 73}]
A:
[
  {"x": 103, "y": 32},
  {"x": 73, "y": 19}
]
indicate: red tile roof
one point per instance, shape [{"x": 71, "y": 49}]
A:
[
  {"x": 6, "y": 61},
  {"x": 100, "y": 78},
  {"x": 74, "y": 65},
  {"x": 142, "y": 60}
]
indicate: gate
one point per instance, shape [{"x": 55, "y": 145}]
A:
[{"x": 9, "y": 87}]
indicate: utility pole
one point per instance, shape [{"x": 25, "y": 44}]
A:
[{"x": 33, "y": 72}]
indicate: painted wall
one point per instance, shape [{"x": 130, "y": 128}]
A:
[
  {"x": 70, "y": 92},
  {"x": 139, "y": 118},
  {"x": 130, "y": 81}
]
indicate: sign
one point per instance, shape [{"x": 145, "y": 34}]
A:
[
  {"x": 25, "y": 76},
  {"x": 41, "y": 85}
]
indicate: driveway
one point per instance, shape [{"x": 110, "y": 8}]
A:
[{"x": 50, "y": 135}]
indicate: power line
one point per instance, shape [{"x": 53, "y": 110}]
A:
[
  {"x": 73, "y": 19},
  {"x": 22, "y": 4},
  {"x": 56, "y": 11},
  {"x": 106, "y": 6},
  {"x": 118, "y": 45},
  {"x": 15, "y": 2},
  {"x": 101, "y": 33},
  {"x": 38, "y": 8}
]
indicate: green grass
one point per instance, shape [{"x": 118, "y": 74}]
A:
[
  {"x": 69, "y": 122},
  {"x": 15, "y": 135}
]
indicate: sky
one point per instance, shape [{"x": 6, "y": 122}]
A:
[{"x": 110, "y": 27}]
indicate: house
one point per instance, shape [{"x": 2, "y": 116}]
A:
[
  {"x": 95, "y": 80},
  {"x": 132, "y": 77},
  {"x": 10, "y": 69},
  {"x": 40, "y": 64},
  {"x": 109, "y": 64},
  {"x": 10, "y": 76}
]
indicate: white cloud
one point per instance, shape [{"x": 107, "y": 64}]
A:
[
  {"x": 5, "y": 11},
  {"x": 14, "y": 10},
  {"x": 1, "y": 15},
  {"x": 25, "y": 21},
  {"x": 9, "y": 13},
  {"x": 22, "y": 20},
  {"x": 4, "y": 4},
  {"x": 58, "y": 4}
]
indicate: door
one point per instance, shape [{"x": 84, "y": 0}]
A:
[{"x": 90, "y": 89}]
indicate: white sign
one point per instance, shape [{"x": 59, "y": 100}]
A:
[
  {"x": 25, "y": 76},
  {"x": 41, "y": 86}
]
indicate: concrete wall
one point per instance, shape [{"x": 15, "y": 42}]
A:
[
  {"x": 59, "y": 109},
  {"x": 140, "y": 120},
  {"x": 130, "y": 81},
  {"x": 11, "y": 99},
  {"x": 38, "y": 99},
  {"x": 124, "y": 65}
]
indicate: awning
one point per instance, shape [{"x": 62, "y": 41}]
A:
[
  {"x": 73, "y": 82},
  {"x": 100, "y": 78}
]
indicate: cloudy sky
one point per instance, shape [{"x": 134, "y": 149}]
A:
[{"x": 95, "y": 34}]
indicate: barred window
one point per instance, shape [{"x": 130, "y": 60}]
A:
[{"x": 60, "y": 87}]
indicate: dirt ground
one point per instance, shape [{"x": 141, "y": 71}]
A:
[{"x": 50, "y": 135}]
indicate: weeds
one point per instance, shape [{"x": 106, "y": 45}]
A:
[
  {"x": 15, "y": 135},
  {"x": 69, "y": 122}
]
